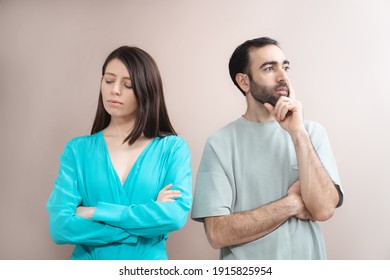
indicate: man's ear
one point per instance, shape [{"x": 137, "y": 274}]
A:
[{"x": 243, "y": 81}]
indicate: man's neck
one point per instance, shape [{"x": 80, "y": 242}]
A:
[{"x": 256, "y": 112}]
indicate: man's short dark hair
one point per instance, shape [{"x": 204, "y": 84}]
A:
[{"x": 239, "y": 61}]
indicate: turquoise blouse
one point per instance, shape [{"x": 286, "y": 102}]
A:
[{"x": 128, "y": 222}]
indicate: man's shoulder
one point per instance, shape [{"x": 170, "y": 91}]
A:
[
  {"x": 313, "y": 126},
  {"x": 223, "y": 134}
]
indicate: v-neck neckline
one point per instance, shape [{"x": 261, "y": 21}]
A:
[{"x": 141, "y": 155}]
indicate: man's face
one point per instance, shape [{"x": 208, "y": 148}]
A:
[{"x": 268, "y": 74}]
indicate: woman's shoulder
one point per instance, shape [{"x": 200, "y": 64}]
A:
[
  {"x": 173, "y": 138},
  {"x": 83, "y": 140},
  {"x": 172, "y": 142}
]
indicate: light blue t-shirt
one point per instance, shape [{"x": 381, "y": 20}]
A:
[
  {"x": 128, "y": 222},
  {"x": 248, "y": 164}
]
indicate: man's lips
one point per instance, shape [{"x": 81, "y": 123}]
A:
[{"x": 282, "y": 89}]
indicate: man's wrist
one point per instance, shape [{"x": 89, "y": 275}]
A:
[
  {"x": 300, "y": 136},
  {"x": 291, "y": 205}
]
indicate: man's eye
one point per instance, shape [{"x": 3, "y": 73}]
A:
[{"x": 286, "y": 68}]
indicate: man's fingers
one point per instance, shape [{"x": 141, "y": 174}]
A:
[{"x": 291, "y": 90}]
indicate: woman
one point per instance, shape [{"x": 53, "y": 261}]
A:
[{"x": 122, "y": 189}]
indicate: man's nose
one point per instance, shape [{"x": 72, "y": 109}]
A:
[{"x": 282, "y": 76}]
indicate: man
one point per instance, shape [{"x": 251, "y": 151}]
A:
[{"x": 268, "y": 178}]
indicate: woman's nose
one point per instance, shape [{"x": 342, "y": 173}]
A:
[{"x": 116, "y": 88}]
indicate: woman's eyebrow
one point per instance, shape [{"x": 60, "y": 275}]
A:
[
  {"x": 112, "y": 74},
  {"x": 108, "y": 73}
]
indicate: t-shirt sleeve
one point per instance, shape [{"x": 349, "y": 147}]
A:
[
  {"x": 213, "y": 191},
  {"x": 324, "y": 151}
]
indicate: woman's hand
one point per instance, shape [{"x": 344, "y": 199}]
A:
[
  {"x": 167, "y": 195},
  {"x": 85, "y": 212}
]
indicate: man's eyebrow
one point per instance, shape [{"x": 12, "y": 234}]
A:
[{"x": 274, "y": 62}]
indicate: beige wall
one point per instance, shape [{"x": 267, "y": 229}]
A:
[{"x": 51, "y": 54}]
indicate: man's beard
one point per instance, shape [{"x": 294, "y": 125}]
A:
[{"x": 264, "y": 94}]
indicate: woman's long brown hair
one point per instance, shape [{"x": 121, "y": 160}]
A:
[{"x": 152, "y": 116}]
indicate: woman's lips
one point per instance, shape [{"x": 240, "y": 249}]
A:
[{"x": 114, "y": 102}]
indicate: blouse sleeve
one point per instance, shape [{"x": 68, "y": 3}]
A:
[
  {"x": 65, "y": 226},
  {"x": 156, "y": 218}
]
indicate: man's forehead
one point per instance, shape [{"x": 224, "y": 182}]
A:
[{"x": 267, "y": 53}]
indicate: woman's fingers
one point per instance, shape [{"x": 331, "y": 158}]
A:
[
  {"x": 167, "y": 187},
  {"x": 167, "y": 195}
]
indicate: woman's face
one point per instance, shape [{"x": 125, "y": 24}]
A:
[{"x": 117, "y": 92}]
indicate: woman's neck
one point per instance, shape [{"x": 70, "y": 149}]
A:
[{"x": 119, "y": 127}]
